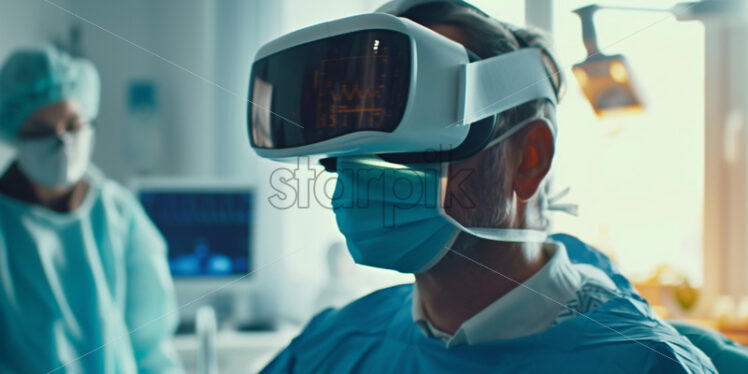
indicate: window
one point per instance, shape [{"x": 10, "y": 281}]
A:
[{"x": 638, "y": 179}]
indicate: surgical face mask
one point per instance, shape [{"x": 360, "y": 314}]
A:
[
  {"x": 58, "y": 160},
  {"x": 392, "y": 217}
]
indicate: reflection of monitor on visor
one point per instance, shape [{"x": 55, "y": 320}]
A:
[
  {"x": 327, "y": 88},
  {"x": 208, "y": 232},
  {"x": 262, "y": 96}
]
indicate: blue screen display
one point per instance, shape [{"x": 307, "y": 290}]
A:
[{"x": 208, "y": 233}]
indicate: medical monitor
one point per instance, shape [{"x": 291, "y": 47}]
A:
[{"x": 207, "y": 226}]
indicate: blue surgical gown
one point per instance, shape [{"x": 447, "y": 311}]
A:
[
  {"x": 86, "y": 291},
  {"x": 376, "y": 334}
]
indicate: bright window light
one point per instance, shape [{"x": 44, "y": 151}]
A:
[{"x": 638, "y": 179}]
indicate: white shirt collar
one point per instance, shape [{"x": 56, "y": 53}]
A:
[{"x": 527, "y": 309}]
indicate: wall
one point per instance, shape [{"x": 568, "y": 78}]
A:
[{"x": 112, "y": 39}]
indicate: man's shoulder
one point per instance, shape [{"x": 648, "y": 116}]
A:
[
  {"x": 363, "y": 320},
  {"x": 663, "y": 355},
  {"x": 380, "y": 304},
  {"x": 372, "y": 313},
  {"x": 628, "y": 325}
]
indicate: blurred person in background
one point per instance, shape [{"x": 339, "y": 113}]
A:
[{"x": 84, "y": 282}]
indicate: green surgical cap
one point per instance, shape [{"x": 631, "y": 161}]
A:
[{"x": 32, "y": 78}]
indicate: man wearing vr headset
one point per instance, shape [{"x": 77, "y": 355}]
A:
[{"x": 442, "y": 138}]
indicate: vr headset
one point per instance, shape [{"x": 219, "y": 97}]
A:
[{"x": 385, "y": 85}]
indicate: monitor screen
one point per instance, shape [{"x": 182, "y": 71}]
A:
[{"x": 208, "y": 232}]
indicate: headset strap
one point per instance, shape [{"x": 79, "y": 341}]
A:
[{"x": 499, "y": 83}]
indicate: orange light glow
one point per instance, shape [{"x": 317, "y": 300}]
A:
[
  {"x": 581, "y": 75},
  {"x": 618, "y": 72}
]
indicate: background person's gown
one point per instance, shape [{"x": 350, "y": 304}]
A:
[{"x": 90, "y": 288}]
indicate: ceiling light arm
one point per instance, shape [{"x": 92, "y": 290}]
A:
[
  {"x": 589, "y": 34},
  {"x": 688, "y": 11}
]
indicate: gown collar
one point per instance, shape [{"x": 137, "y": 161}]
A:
[{"x": 527, "y": 309}]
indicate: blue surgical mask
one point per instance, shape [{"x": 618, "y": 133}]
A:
[
  {"x": 389, "y": 214},
  {"x": 392, "y": 216}
]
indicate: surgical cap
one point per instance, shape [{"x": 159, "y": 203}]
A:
[{"x": 32, "y": 78}]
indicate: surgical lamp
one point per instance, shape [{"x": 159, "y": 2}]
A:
[{"x": 608, "y": 81}]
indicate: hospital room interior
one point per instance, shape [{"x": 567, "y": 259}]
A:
[{"x": 162, "y": 211}]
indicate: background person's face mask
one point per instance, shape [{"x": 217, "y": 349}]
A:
[{"x": 58, "y": 160}]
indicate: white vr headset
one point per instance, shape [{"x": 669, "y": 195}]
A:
[{"x": 381, "y": 84}]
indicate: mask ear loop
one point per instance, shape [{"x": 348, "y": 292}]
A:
[
  {"x": 552, "y": 203},
  {"x": 488, "y": 233}
]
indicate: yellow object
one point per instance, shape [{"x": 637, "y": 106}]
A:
[
  {"x": 607, "y": 83},
  {"x": 582, "y": 77},
  {"x": 666, "y": 279},
  {"x": 618, "y": 72},
  {"x": 685, "y": 295}
]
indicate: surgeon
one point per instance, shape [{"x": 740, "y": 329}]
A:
[
  {"x": 84, "y": 283},
  {"x": 493, "y": 293}
]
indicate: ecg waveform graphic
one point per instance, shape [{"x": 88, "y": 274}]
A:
[
  {"x": 356, "y": 93},
  {"x": 349, "y": 92}
]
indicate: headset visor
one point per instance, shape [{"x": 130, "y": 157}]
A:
[{"x": 323, "y": 89}]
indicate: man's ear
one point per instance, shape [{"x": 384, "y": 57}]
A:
[{"x": 536, "y": 149}]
